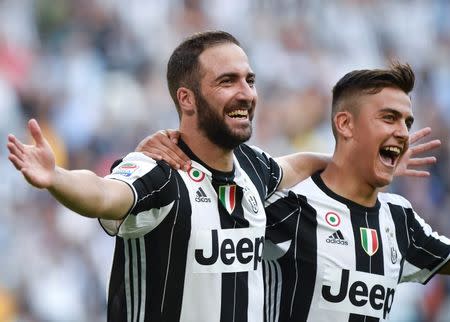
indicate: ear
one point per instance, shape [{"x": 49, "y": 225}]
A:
[
  {"x": 186, "y": 100},
  {"x": 344, "y": 123}
]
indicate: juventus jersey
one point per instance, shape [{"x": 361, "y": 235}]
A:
[
  {"x": 330, "y": 259},
  {"x": 190, "y": 248}
]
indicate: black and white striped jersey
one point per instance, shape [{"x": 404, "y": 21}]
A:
[
  {"x": 190, "y": 249},
  {"x": 329, "y": 259}
]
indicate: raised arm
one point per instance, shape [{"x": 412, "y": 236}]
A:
[
  {"x": 79, "y": 190},
  {"x": 296, "y": 167},
  {"x": 299, "y": 166}
]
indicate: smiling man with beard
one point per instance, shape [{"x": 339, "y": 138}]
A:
[{"x": 188, "y": 244}]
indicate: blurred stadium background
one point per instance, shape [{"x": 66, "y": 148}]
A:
[{"x": 93, "y": 73}]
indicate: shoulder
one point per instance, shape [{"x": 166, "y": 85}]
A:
[
  {"x": 252, "y": 152},
  {"x": 137, "y": 165},
  {"x": 256, "y": 159},
  {"x": 394, "y": 199}
]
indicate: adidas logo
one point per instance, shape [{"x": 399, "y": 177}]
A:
[
  {"x": 200, "y": 196},
  {"x": 337, "y": 238}
]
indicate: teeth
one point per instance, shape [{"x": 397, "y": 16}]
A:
[
  {"x": 238, "y": 113},
  {"x": 392, "y": 149}
]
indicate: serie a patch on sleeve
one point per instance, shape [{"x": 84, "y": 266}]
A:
[{"x": 126, "y": 169}]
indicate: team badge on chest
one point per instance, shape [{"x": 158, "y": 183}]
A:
[
  {"x": 227, "y": 196},
  {"x": 196, "y": 175},
  {"x": 369, "y": 240}
]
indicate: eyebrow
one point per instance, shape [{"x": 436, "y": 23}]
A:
[
  {"x": 233, "y": 75},
  {"x": 409, "y": 119}
]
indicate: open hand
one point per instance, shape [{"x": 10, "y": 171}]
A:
[
  {"x": 36, "y": 162},
  {"x": 162, "y": 145},
  {"x": 408, "y": 160}
]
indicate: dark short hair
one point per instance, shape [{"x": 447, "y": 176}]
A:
[
  {"x": 369, "y": 82},
  {"x": 183, "y": 68}
]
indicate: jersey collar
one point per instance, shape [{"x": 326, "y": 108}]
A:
[
  {"x": 221, "y": 176},
  {"x": 349, "y": 203}
]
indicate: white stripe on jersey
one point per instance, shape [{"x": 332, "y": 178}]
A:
[
  {"x": 127, "y": 279},
  {"x": 135, "y": 279},
  {"x": 139, "y": 281},
  {"x": 170, "y": 249},
  {"x": 143, "y": 278},
  {"x": 273, "y": 294}
]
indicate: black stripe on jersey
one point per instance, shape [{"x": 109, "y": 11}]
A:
[
  {"x": 134, "y": 279},
  {"x": 129, "y": 276},
  {"x": 401, "y": 233},
  {"x": 166, "y": 249},
  {"x": 362, "y": 217},
  {"x": 234, "y": 285},
  {"x": 265, "y": 174},
  {"x": 306, "y": 255},
  {"x": 117, "y": 308},
  {"x": 159, "y": 182},
  {"x": 138, "y": 278},
  {"x": 362, "y": 318},
  {"x": 292, "y": 218}
]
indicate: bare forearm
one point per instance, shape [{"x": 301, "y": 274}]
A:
[
  {"x": 301, "y": 165},
  {"x": 89, "y": 195}
]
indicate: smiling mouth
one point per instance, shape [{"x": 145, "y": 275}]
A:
[
  {"x": 390, "y": 155},
  {"x": 238, "y": 114}
]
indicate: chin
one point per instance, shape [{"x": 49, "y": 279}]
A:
[
  {"x": 383, "y": 181},
  {"x": 242, "y": 135}
]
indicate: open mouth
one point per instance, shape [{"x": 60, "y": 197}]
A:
[
  {"x": 238, "y": 114},
  {"x": 390, "y": 155}
]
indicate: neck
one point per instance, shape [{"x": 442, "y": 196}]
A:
[
  {"x": 343, "y": 179},
  {"x": 214, "y": 156}
]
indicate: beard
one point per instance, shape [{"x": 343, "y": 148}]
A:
[{"x": 212, "y": 124}]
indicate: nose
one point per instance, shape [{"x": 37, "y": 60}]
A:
[
  {"x": 246, "y": 92},
  {"x": 402, "y": 131}
]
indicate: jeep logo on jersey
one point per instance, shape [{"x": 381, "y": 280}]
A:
[
  {"x": 357, "y": 292},
  {"x": 228, "y": 250},
  {"x": 369, "y": 240}
]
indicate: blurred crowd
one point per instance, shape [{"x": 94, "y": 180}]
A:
[{"x": 93, "y": 73}]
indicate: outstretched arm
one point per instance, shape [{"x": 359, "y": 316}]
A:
[{"x": 80, "y": 190}]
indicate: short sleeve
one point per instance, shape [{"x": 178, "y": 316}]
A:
[
  {"x": 151, "y": 183},
  {"x": 427, "y": 251}
]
